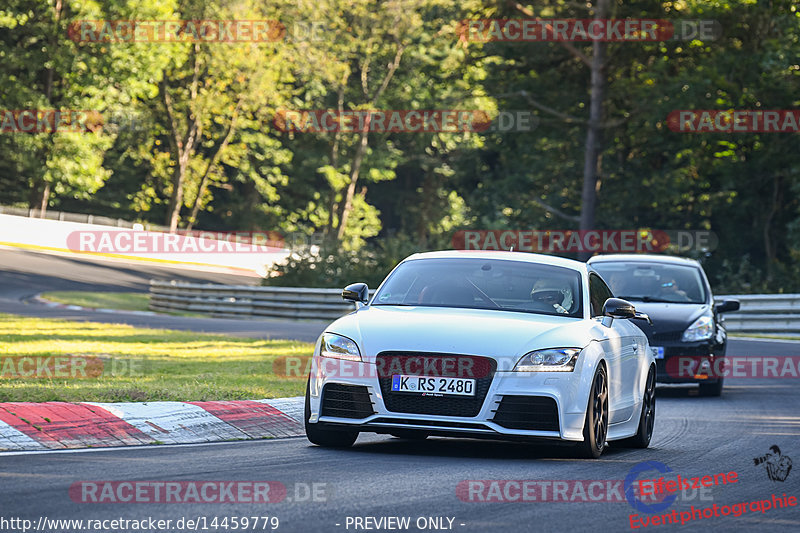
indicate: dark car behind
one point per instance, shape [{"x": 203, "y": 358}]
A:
[{"x": 688, "y": 335}]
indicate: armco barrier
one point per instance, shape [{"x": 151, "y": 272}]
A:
[
  {"x": 760, "y": 313},
  {"x": 764, "y": 313},
  {"x": 248, "y": 301}
]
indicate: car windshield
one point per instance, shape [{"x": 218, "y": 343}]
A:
[
  {"x": 484, "y": 284},
  {"x": 653, "y": 282}
]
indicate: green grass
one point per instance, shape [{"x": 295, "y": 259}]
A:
[
  {"x": 172, "y": 365},
  {"x": 764, "y": 336},
  {"x": 124, "y": 301}
]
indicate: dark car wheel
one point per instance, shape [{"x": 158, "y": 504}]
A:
[
  {"x": 595, "y": 427},
  {"x": 320, "y": 435},
  {"x": 711, "y": 389},
  {"x": 647, "y": 419}
]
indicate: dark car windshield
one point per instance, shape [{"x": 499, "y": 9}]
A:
[
  {"x": 484, "y": 284},
  {"x": 653, "y": 282}
]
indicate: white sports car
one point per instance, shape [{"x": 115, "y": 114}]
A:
[{"x": 502, "y": 345}]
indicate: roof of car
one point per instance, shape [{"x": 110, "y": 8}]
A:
[
  {"x": 643, "y": 258},
  {"x": 507, "y": 256}
]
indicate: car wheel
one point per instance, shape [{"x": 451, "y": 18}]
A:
[
  {"x": 322, "y": 436},
  {"x": 648, "y": 418},
  {"x": 711, "y": 389},
  {"x": 595, "y": 427},
  {"x": 409, "y": 435}
]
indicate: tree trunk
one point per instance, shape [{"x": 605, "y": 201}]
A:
[
  {"x": 346, "y": 204},
  {"x": 211, "y": 164},
  {"x": 769, "y": 249},
  {"x": 176, "y": 198},
  {"x": 593, "y": 148},
  {"x": 45, "y": 200},
  {"x": 182, "y": 147}
]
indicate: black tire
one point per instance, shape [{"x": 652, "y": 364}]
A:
[
  {"x": 320, "y": 435},
  {"x": 711, "y": 389},
  {"x": 409, "y": 434},
  {"x": 595, "y": 427},
  {"x": 647, "y": 419}
]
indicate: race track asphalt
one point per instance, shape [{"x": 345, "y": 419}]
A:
[
  {"x": 23, "y": 274},
  {"x": 383, "y": 476}
]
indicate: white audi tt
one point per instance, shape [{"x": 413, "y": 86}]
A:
[{"x": 501, "y": 345}]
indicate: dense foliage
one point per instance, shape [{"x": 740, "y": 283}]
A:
[{"x": 189, "y": 135}]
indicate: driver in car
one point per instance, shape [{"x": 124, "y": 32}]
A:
[
  {"x": 670, "y": 290},
  {"x": 548, "y": 293}
]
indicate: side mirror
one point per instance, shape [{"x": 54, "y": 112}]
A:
[
  {"x": 726, "y": 306},
  {"x": 619, "y": 308},
  {"x": 356, "y": 292}
]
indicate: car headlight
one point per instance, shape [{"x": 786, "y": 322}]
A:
[
  {"x": 551, "y": 360},
  {"x": 339, "y": 347},
  {"x": 700, "y": 330}
]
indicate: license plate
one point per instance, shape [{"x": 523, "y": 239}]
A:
[
  {"x": 658, "y": 352},
  {"x": 433, "y": 386}
]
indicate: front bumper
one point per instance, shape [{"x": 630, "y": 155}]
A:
[
  {"x": 670, "y": 369},
  {"x": 559, "y": 394}
]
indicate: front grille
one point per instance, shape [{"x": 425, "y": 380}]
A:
[
  {"x": 534, "y": 413},
  {"x": 666, "y": 336},
  {"x": 346, "y": 401},
  {"x": 482, "y": 370},
  {"x": 431, "y": 423}
]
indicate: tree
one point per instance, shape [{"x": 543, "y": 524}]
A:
[{"x": 45, "y": 70}]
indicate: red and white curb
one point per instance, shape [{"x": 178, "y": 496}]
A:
[{"x": 61, "y": 425}]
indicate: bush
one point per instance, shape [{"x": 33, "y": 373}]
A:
[{"x": 335, "y": 268}]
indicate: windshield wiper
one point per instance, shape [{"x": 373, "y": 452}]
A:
[{"x": 651, "y": 299}]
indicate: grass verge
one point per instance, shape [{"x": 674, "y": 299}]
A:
[
  {"x": 138, "y": 364},
  {"x": 776, "y": 336},
  {"x": 124, "y": 301}
]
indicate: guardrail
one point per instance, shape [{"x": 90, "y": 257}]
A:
[
  {"x": 764, "y": 313},
  {"x": 760, "y": 313},
  {"x": 248, "y": 301},
  {"x": 78, "y": 217}
]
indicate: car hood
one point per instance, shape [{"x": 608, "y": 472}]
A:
[
  {"x": 669, "y": 317},
  {"x": 462, "y": 331}
]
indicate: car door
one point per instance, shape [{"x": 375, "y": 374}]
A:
[{"x": 622, "y": 349}]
